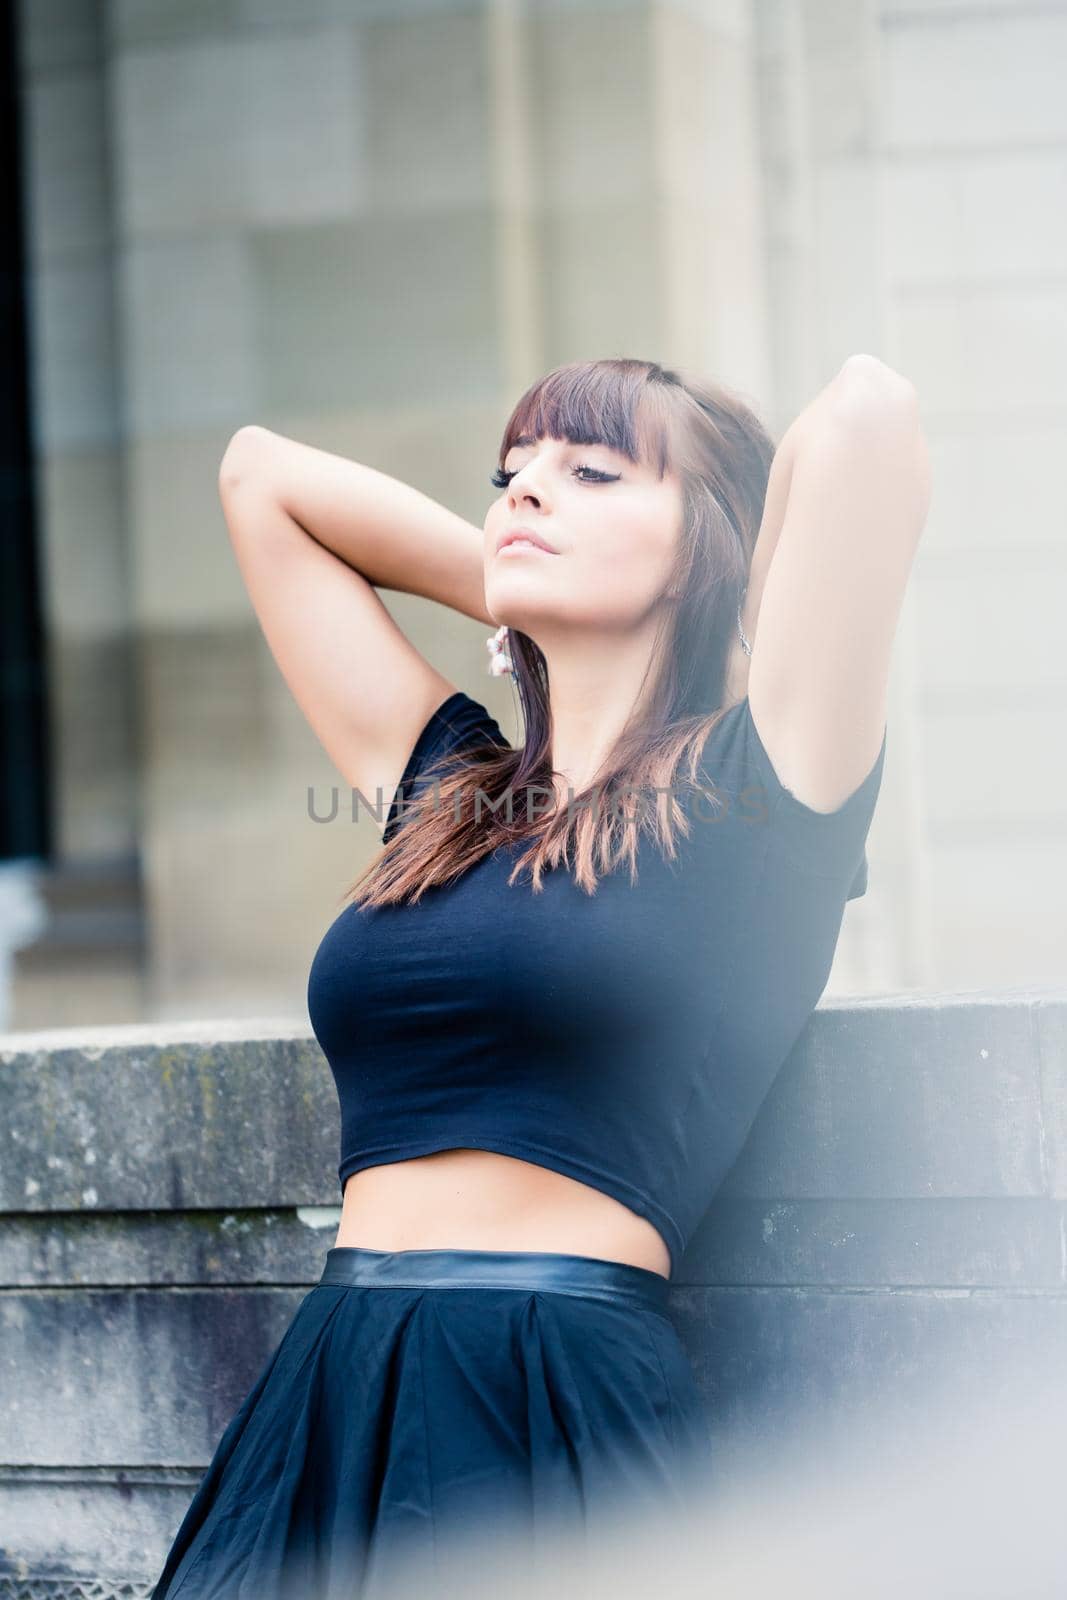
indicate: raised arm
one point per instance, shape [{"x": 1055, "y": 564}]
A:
[
  {"x": 847, "y": 501},
  {"x": 315, "y": 535}
]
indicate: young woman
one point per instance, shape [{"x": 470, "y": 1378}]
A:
[{"x": 558, "y": 996}]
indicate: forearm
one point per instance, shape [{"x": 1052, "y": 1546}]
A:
[{"x": 391, "y": 533}]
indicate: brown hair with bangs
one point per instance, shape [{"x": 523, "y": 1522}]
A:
[{"x": 479, "y": 798}]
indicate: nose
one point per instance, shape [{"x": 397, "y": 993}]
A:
[{"x": 520, "y": 489}]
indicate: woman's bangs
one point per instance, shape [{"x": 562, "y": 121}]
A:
[{"x": 596, "y": 403}]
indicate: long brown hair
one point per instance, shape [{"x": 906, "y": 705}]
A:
[{"x": 722, "y": 454}]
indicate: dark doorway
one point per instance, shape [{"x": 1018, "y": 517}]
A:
[{"x": 25, "y": 821}]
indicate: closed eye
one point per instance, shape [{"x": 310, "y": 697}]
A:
[{"x": 501, "y": 479}]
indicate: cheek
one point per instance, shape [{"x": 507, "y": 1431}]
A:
[{"x": 624, "y": 567}]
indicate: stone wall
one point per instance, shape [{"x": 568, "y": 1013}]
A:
[{"x": 894, "y": 1231}]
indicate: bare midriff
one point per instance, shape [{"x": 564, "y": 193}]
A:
[{"x": 478, "y": 1200}]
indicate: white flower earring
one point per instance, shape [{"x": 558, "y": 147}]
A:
[{"x": 499, "y": 660}]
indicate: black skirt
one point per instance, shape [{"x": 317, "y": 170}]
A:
[{"x": 422, "y": 1401}]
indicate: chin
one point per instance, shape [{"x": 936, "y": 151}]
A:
[{"x": 518, "y": 605}]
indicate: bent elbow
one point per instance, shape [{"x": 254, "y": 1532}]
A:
[
  {"x": 244, "y": 457},
  {"x": 866, "y": 387}
]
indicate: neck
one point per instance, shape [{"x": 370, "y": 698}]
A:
[{"x": 595, "y": 690}]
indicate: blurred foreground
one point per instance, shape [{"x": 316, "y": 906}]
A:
[{"x": 970, "y": 1508}]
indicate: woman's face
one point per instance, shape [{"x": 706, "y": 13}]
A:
[{"x": 613, "y": 528}]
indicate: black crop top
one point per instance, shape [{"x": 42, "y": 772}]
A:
[{"x": 625, "y": 1038}]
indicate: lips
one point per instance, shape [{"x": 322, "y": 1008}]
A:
[{"x": 523, "y": 538}]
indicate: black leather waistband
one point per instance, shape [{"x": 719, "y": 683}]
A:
[{"x": 354, "y": 1266}]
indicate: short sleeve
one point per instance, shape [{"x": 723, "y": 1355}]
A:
[
  {"x": 828, "y": 844},
  {"x": 459, "y": 723}
]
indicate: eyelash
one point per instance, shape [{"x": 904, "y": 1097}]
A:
[{"x": 501, "y": 479}]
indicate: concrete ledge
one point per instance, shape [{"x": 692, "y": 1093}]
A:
[
  {"x": 895, "y": 1225},
  {"x": 887, "y": 1098}
]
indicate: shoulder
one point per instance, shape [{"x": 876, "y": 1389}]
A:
[
  {"x": 459, "y": 723},
  {"x": 825, "y": 844}
]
